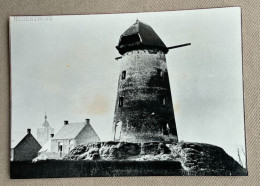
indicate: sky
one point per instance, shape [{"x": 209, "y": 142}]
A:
[{"x": 65, "y": 66}]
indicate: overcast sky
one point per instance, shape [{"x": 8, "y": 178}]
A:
[{"x": 66, "y": 67}]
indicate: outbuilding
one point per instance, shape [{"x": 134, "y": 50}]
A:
[{"x": 25, "y": 148}]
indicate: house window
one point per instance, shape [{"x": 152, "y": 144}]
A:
[
  {"x": 121, "y": 101},
  {"x": 71, "y": 142},
  {"x": 123, "y": 74}
]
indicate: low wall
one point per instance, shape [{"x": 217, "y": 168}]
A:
[{"x": 68, "y": 168}]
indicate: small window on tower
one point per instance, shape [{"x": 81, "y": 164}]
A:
[
  {"x": 123, "y": 74},
  {"x": 164, "y": 101},
  {"x": 159, "y": 73},
  {"x": 130, "y": 39},
  {"x": 121, "y": 99}
]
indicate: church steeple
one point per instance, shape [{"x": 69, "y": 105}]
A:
[
  {"x": 46, "y": 123},
  {"x": 44, "y": 133}
]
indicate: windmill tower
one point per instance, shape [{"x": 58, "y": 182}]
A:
[{"x": 144, "y": 109}]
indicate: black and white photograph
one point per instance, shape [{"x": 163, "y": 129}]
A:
[{"x": 129, "y": 94}]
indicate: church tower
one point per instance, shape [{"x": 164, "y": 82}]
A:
[
  {"x": 144, "y": 109},
  {"x": 44, "y": 133}
]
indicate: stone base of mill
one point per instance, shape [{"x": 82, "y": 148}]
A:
[{"x": 192, "y": 158}]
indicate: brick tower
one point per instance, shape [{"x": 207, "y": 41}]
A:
[{"x": 144, "y": 109}]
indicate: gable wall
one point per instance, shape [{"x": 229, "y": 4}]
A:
[
  {"x": 27, "y": 149},
  {"x": 86, "y": 135}
]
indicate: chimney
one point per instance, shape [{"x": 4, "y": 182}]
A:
[
  {"x": 87, "y": 121},
  {"x": 66, "y": 122},
  {"x": 52, "y": 135},
  {"x": 29, "y": 131}
]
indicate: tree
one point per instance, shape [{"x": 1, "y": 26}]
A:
[{"x": 241, "y": 156}]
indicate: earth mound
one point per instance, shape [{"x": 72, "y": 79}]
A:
[{"x": 192, "y": 156}]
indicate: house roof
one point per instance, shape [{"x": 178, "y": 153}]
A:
[
  {"x": 19, "y": 138},
  {"x": 71, "y": 130},
  {"x": 16, "y": 139},
  {"x": 148, "y": 38},
  {"x": 46, "y": 147}
]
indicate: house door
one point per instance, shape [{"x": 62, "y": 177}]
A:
[
  {"x": 60, "y": 148},
  {"x": 118, "y": 128}
]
